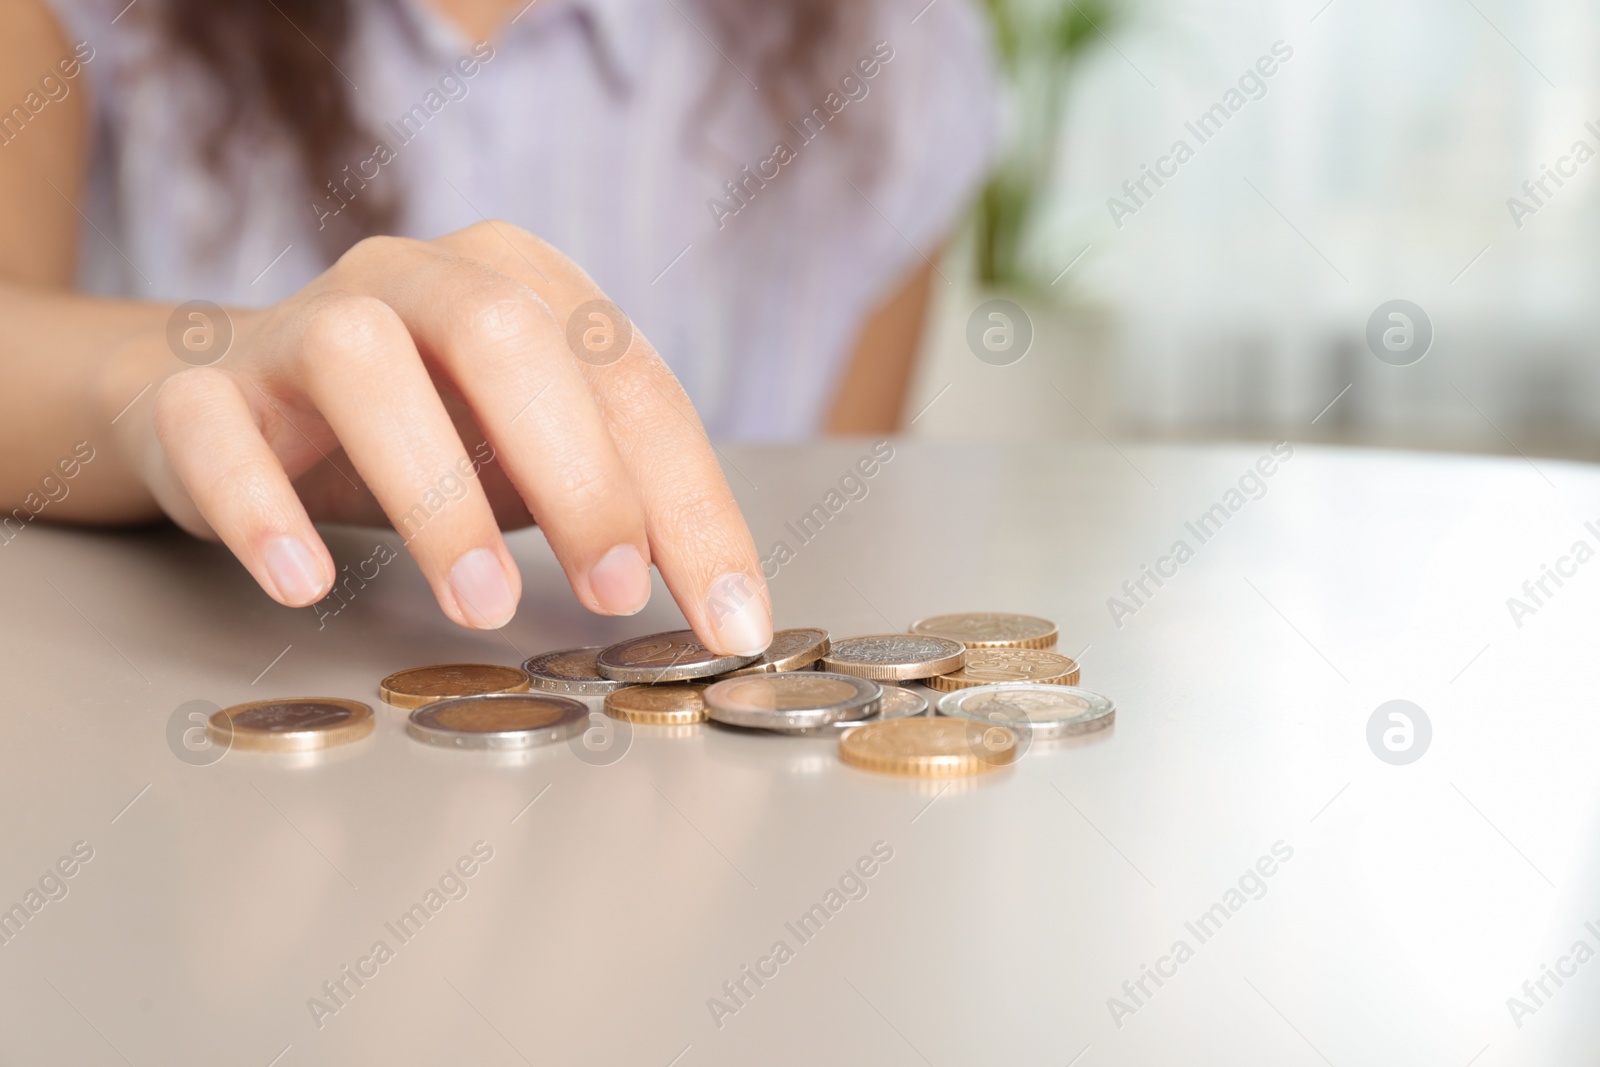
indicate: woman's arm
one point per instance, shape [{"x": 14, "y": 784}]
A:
[
  {"x": 55, "y": 345},
  {"x": 872, "y": 393}
]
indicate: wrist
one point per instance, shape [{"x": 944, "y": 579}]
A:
[{"x": 123, "y": 398}]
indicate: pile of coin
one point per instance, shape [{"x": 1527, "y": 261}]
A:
[{"x": 1001, "y": 687}]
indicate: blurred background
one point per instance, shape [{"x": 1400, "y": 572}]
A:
[{"x": 1375, "y": 163}]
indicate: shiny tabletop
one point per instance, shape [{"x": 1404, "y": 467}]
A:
[{"x": 1265, "y": 860}]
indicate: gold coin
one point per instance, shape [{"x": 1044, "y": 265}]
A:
[
  {"x": 991, "y": 666},
  {"x": 423, "y": 685},
  {"x": 928, "y": 748},
  {"x": 990, "y": 629},
  {"x": 295, "y": 725},
  {"x": 791, "y": 650},
  {"x": 659, "y": 705}
]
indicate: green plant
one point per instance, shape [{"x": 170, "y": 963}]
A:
[{"x": 1039, "y": 41}]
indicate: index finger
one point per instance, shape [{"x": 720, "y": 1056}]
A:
[{"x": 698, "y": 537}]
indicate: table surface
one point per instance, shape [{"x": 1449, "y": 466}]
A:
[{"x": 1008, "y": 919}]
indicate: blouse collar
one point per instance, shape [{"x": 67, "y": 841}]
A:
[{"x": 619, "y": 28}]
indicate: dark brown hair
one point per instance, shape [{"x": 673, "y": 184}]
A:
[{"x": 277, "y": 62}]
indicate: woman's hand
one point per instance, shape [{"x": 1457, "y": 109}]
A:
[{"x": 414, "y": 362}]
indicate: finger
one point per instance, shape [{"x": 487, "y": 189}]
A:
[
  {"x": 497, "y": 341},
  {"x": 361, "y": 369},
  {"x": 237, "y": 486},
  {"x": 698, "y": 538}
]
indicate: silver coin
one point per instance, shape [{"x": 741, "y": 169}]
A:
[
  {"x": 498, "y": 721},
  {"x": 898, "y": 703},
  {"x": 1038, "y": 710},
  {"x": 895, "y": 657},
  {"x": 792, "y": 700},
  {"x": 571, "y": 672},
  {"x": 670, "y": 657}
]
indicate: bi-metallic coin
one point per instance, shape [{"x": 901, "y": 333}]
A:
[
  {"x": 895, "y": 657},
  {"x": 1039, "y": 711},
  {"x": 793, "y": 700},
  {"x": 571, "y": 672},
  {"x": 990, "y": 629},
  {"x": 498, "y": 721},
  {"x": 898, "y": 703},
  {"x": 422, "y": 685},
  {"x": 295, "y": 725},
  {"x": 791, "y": 650},
  {"x": 670, "y": 657}
]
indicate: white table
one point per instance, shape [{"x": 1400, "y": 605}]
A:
[{"x": 622, "y": 895}]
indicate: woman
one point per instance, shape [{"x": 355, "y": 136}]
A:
[{"x": 761, "y": 185}]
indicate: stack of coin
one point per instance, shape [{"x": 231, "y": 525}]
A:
[
  {"x": 1002, "y": 687},
  {"x": 663, "y": 679},
  {"x": 655, "y": 676}
]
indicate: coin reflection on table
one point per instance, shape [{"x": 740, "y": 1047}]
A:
[{"x": 733, "y": 748}]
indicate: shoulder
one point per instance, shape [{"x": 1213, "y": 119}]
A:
[
  {"x": 107, "y": 37},
  {"x": 940, "y": 80},
  {"x": 97, "y": 23},
  {"x": 958, "y": 31},
  {"x": 937, "y": 132},
  {"x": 943, "y": 51}
]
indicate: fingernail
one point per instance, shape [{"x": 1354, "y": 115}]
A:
[
  {"x": 738, "y": 616},
  {"x": 482, "y": 592},
  {"x": 293, "y": 570},
  {"x": 621, "y": 581}
]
